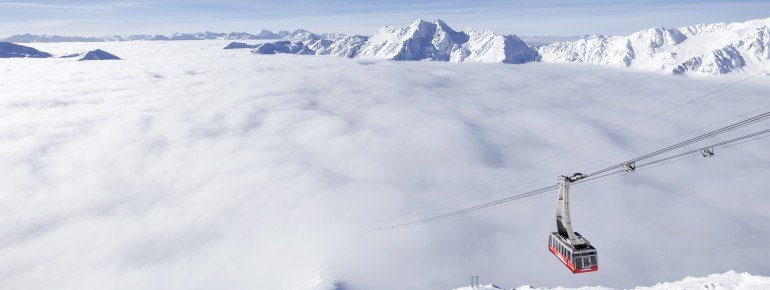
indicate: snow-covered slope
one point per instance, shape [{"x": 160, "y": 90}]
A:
[
  {"x": 727, "y": 281},
  {"x": 346, "y": 47},
  {"x": 706, "y": 49},
  {"x": 485, "y": 46}
]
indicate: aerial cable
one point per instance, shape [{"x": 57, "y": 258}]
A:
[
  {"x": 650, "y": 165},
  {"x": 627, "y": 151},
  {"x": 663, "y": 140},
  {"x": 476, "y": 208},
  {"x": 642, "y": 121},
  {"x": 749, "y": 136},
  {"x": 613, "y": 133},
  {"x": 728, "y": 128},
  {"x": 594, "y": 177}
]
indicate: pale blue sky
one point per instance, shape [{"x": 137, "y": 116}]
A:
[{"x": 559, "y": 17}]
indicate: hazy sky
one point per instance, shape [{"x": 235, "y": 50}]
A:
[{"x": 560, "y": 17}]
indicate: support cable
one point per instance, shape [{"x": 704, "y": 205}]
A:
[{"x": 597, "y": 177}]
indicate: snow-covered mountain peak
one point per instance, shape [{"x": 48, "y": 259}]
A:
[
  {"x": 440, "y": 24},
  {"x": 436, "y": 40},
  {"x": 657, "y": 37},
  {"x": 313, "y": 42},
  {"x": 302, "y": 34},
  {"x": 419, "y": 22},
  {"x": 300, "y": 30}
]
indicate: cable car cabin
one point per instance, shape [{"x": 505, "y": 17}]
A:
[{"x": 579, "y": 259}]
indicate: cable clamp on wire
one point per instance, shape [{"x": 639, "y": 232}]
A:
[
  {"x": 630, "y": 166},
  {"x": 707, "y": 152}
]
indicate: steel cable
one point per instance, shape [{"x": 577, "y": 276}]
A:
[{"x": 594, "y": 177}]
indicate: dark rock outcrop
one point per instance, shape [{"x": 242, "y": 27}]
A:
[
  {"x": 99, "y": 55},
  {"x": 10, "y": 50},
  {"x": 240, "y": 45}
]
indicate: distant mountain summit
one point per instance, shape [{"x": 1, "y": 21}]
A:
[
  {"x": 30, "y": 38},
  {"x": 312, "y": 41},
  {"x": 267, "y": 34}
]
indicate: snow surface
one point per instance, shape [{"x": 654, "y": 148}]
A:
[
  {"x": 186, "y": 166},
  {"x": 727, "y": 281}
]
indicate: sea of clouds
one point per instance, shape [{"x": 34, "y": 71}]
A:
[{"x": 185, "y": 166}]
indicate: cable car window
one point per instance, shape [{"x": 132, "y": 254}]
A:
[
  {"x": 579, "y": 263},
  {"x": 593, "y": 260}
]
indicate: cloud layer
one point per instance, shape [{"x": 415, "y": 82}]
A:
[{"x": 186, "y": 166}]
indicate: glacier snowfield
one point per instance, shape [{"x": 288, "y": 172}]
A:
[{"x": 187, "y": 166}]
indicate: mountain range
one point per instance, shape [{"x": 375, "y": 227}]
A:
[
  {"x": 207, "y": 35},
  {"x": 422, "y": 40},
  {"x": 704, "y": 49}
]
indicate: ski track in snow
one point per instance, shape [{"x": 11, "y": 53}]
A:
[{"x": 186, "y": 166}]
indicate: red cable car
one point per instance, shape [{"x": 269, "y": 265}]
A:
[{"x": 570, "y": 247}]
